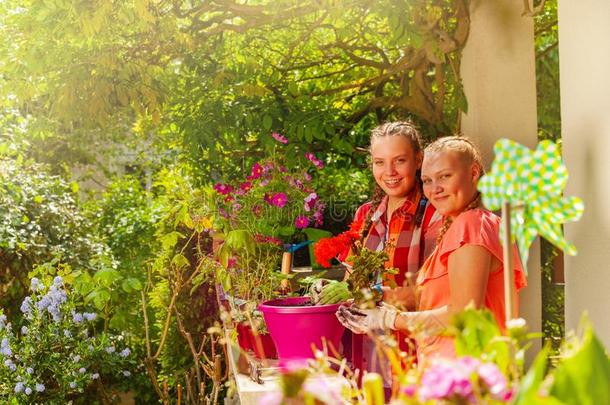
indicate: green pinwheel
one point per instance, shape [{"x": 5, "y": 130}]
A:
[{"x": 533, "y": 183}]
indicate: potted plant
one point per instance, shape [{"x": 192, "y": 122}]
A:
[
  {"x": 260, "y": 218},
  {"x": 312, "y": 322}
]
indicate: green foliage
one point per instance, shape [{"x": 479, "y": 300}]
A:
[
  {"x": 583, "y": 373},
  {"x": 41, "y": 222},
  {"x": 367, "y": 265}
]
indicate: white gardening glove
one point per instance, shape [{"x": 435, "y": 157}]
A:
[{"x": 365, "y": 320}]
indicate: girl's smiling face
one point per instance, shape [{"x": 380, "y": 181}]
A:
[
  {"x": 394, "y": 165},
  {"x": 450, "y": 181}
]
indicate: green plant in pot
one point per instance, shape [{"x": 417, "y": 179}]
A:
[{"x": 260, "y": 218}]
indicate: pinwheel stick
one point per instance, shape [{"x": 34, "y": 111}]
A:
[{"x": 509, "y": 275}]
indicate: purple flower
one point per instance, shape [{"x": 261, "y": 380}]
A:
[
  {"x": 9, "y": 363},
  {"x": 39, "y": 387},
  {"x": 58, "y": 281},
  {"x": 29, "y": 370},
  {"x": 19, "y": 387},
  {"x": 125, "y": 352},
  {"x": 72, "y": 384},
  {"x": 443, "y": 380},
  {"x": 256, "y": 172},
  {"x": 280, "y": 138},
  {"x": 77, "y": 317},
  {"x": 82, "y": 370},
  {"x": 223, "y": 189},
  {"x": 279, "y": 200},
  {"x": 301, "y": 222},
  {"x": 28, "y": 390},
  {"x": 223, "y": 213},
  {"x": 110, "y": 349}
]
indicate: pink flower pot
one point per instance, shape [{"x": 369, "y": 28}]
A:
[{"x": 295, "y": 328}]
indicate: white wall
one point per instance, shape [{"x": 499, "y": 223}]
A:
[
  {"x": 584, "y": 55},
  {"x": 499, "y": 76}
]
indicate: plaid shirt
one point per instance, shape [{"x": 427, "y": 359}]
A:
[{"x": 407, "y": 245}]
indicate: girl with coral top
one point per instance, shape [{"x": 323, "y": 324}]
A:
[{"x": 466, "y": 266}]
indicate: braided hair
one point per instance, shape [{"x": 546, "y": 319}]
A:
[
  {"x": 468, "y": 152},
  {"x": 405, "y": 129}
]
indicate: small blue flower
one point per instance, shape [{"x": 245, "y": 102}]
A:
[
  {"x": 5, "y": 347},
  {"x": 90, "y": 316},
  {"x": 39, "y": 387},
  {"x": 28, "y": 390},
  {"x": 82, "y": 370},
  {"x": 110, "y": 349},
  {"x": 76, "y": 358},
  {"x": 19, "y": 387},
  {"x": 67, "y": 333},
  {"x": 125, "y": 352},
  {"x": 26, "y": 305},
  {"x": 29, "y": 370},
  {"x": 95, "y": 376},
  {"x": 77, "y": 317},
  {"x": 126, "y": 373},
  {"x": 24, "y": 330},
  {"x": 9, "y": 363},
  {"x": 72, "y": 384},
  {"x": 36, "y": 285},
  {"x": 58, "y": 281}
]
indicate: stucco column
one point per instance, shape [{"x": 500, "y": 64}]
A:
[
  {"x": 499, "y": 77},
  {"x": 584, "y": 65}
]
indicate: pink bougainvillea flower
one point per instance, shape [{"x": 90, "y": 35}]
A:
[
  {"x": 231, "y": 262},
  {"x": 283, "y": 169},
  {"x": 229, "y": 198},
  {"x": 267, "y": 198},
  {"x": 313, "y": 159},
  {"x": 307, "y": 177},
  {"x": 223, "y": 189},
  {"x": 256, "y": 172},
  {"x": 301, "y": 222},
  {"x": 280, "y": 138},
  {"x": 279, "y": 200},
  {"x": 494, "y": 380}
]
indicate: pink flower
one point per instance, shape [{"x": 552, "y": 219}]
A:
[
  {"x": 223, "y": 189},
  {"x": 257, "y": 171},
  {"x": 313, "y": 159},
  {"x": 307, "y": 177},
  {"x": 494, "y": 380},
  {"x": 245, "y": 186},
  {"x": 279, "y": 200},
  {"x": 310, "y": 201},
  {"x": 280, "y": 138},
  {"x": 301, "y": 222},
  {"x": 443, "y": 380}
]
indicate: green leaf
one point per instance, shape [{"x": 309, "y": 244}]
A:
[
  {"x": 169, "y": 240},
  {"x": 583, "y": 375},
  {"x": 530, "y": 384},
  {"x": 106, "y": 277},
  {"x": 99, "y": 297},
  {"x": 267, "y": 122},
  {"x": 180, "y": 261},
  {"x": 131, "y": 284}
]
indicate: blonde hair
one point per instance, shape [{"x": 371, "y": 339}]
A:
[
  {"x": 399, "y": 128},
  {"x": 409, "y": 131},
  {"x": 467, "y": 151}
]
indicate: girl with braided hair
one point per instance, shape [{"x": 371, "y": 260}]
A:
[
  {"x": 398, "y": 219},
  {"x": 467, "y": 264}
]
